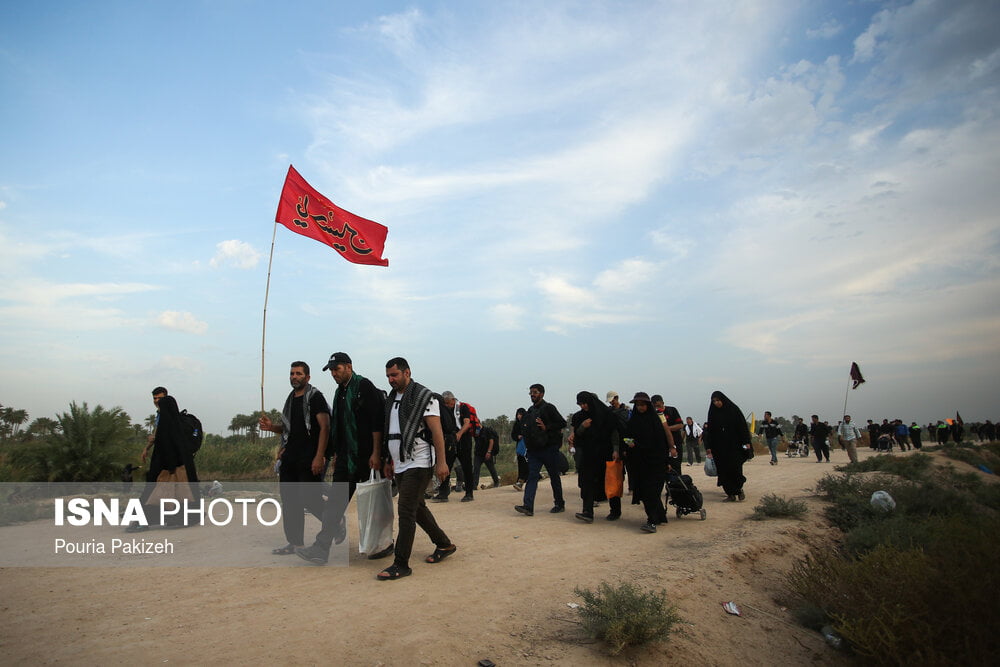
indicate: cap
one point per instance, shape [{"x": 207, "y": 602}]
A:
[
  {"x": 611, "y": 394},
  {"x": 640, "y": 396},
  {"x": 337, "y": 358}
]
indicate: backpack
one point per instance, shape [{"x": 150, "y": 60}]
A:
[
  {"x": 193, "y": 430},
  {"x": 474, "y": 419}
]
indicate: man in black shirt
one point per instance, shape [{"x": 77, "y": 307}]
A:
[
  {"x": 487, "y": 446},
  {"x": 304, "y": 430},
  {"x": 818, "y": 431},
  {"x": 543, "y": 426},
  {"x": 356, "y": 444}
]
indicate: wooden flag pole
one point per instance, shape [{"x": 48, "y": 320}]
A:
[
  {"x": 846, "y": 394},
  {"x": 263, "y": 333}
]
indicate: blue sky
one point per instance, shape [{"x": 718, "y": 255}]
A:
[{"x": 670, "y": 197}]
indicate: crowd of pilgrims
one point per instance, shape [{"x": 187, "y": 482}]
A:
[{"x": 649, "y": 440}]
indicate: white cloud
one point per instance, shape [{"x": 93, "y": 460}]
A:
[
  {"x": 42, "y": 304},
  {"x": 827, "y": 30},
  {"x": 181, "y": 321},
  {"x": 507, "y": 316},
  {"x": 239, "y": 254}
]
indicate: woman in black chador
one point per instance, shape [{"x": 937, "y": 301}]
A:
[
  {"x": 172, "y": 457},
  {"x": 594, "y": 434},
  {"x": 648, "y": 450},
  {"x": 728, "y": 443}
]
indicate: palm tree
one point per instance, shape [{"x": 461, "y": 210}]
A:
[
  {"x": 18, "y": 417},
  {"x": 43, "y": 426},
  {"x": 93, "y": 446}
]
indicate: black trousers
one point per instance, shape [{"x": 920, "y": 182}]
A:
[
  {"x": 336, "y": 505},
  {"x": 300, "y": 490},
  {"x": 465, "y": 478},
  {"x": 449, "y": 457},
  {"x": 491, "y": 466}
]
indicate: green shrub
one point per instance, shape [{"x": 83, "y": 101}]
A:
[
  {"x": 236, "y": 458},
  {"x": 776, "y": 507},
  {"x": 915, "y": 585},
  {"x": 624, "y": 616},
  {"x": 915, "y": 466}
]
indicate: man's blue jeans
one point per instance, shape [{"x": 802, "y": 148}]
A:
[
  {"x": 772, "y": 444},
  {"x": 548, "y": 457}
]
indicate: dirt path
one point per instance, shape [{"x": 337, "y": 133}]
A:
[{"x": 503, "y": 596}]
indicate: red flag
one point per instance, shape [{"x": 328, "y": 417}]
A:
[
  {"x": 856, "y": 375},
  {"x": 305, "y": 211}
]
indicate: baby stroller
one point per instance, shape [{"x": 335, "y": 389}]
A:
[{"x": 684, "y": 495}]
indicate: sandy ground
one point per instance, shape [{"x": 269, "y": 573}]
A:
[{"x": 503, "y": 596}]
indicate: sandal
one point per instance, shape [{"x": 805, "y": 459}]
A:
[
  {"x": 394, "y": 572},
  {"x": 286, "y": 550},
  {"x": 440, "y": 554}
]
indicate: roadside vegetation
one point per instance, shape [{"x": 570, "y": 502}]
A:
[
  {"x": 913, "y": 584},
  {"x": 624, "y": 615}
]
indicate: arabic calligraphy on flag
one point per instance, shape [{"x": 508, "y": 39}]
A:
[{"x": 303, "y": 210}]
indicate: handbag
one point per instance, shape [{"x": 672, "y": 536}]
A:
[
  {"x": 710, "y": 468},
  {"x": 375, "y": 513},
  {"x": 614, "y": 479},
  {"x": 522, "y": 449}
]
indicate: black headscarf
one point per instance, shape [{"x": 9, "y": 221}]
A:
[
  {"x": 516, "y": 429},
  {"x": 727, "y": 425},
  {"x": 597, "y": 437},
  {"x": 650, "y": 438}
]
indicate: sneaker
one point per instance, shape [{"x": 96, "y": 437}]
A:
[
  {"x": 467, "y": 499},
  {"x": 586, "y": 518},
  {"x": 524, "y": 510},
  {"x": 614, "y": 516},
  {"x": 730, "y": 499},
  {"x": 648, "y": 527},
  {"x": 314, "y": 554},
  {"x": 518, "y": 485},
  {"x": 340, "y": 532},
  {"x": 557, "y": 509},
  {"x": 439, "y": 499}
]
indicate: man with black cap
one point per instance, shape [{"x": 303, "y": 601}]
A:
[{"x": 356, "y": 444}]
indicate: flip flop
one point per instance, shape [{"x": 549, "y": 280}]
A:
[
  {"x": 440, "y": 554},
  {"x": 286, "y": 550},
  {"x": 393, "y": 572}
]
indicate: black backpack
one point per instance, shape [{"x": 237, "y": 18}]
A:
[{"x": 193, "y": 430}]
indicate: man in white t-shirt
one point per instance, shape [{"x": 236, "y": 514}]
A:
[{"x": 414, "y": 453}]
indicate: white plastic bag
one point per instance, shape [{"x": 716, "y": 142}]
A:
[
  {"x": 881, "y": 500},
  {"x": 710, "y": 468},
  {"x": 375, "y": 514}
]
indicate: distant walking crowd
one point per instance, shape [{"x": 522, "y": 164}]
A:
[{"x": 418, "y": 438}]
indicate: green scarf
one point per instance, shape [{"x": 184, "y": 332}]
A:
[{"x": 351, "y": 392}]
